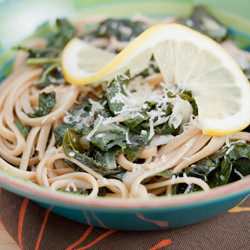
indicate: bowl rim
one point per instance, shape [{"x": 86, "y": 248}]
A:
[{"x": 29, "y": 189}]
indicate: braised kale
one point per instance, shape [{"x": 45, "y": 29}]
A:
[
  {"x": 48, "y": 57},
  {"x": 46, "y": 103},
  {"x": 202, "y": 21},
  {"x": 55, "y": 44},
  {"x": 96, "y": 131},
  {"x": 229, "y": 164},
  {"x": 122, "y": 29},
  {"x": 72, "y": 148}
]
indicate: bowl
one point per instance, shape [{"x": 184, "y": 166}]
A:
[{"x": 21, "y": 19}]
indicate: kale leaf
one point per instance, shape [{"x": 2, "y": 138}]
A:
[
  {"x": 46, "y": 103},
  {"x": 52, "y": 74},
  {"x": 76, "y": 119},
  {"x": 122, "y": 29},
  {"x": 65, "y": 32},
  {"x": 202, "y": 21},
  {"x": 166, "y": 174},
  {"x": 48, "y": 57},
  {"x": 116, "y": 91},
  {"x": 23, "y": 129},
  {"x": 108, "y": 139},
  {"x": 137, "y": 120},
  {"x": 72, "y": 148},
  {"x": 229, "y": 164},
  {"x": 93, "y": 134},
  {"x": 55, "y": 44},
  {"x": 59, "y": 133},
  {"x": 222, "y": 167},
  {"x": 137, "y": 141}
]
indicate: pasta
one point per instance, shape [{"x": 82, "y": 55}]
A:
[{"x": 158, "y": 168}]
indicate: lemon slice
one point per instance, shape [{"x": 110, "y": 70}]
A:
[
  {"x": 187, "y": 59},
  {"x": 79, "y": 60}
]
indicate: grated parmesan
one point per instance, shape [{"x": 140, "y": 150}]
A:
[
  {"x": 71, "y": 154},
  {"x": 239, "y": 173},
  {"x": 161, "y": 140},
  {"x": 96, "y": 126},
  {"x": 173, "y": 179},
  {"x": 127, "y": 138},
  {"x": 186, "y": 179}
]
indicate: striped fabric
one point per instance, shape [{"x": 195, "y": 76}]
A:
[{"x": 35, "y": 228}]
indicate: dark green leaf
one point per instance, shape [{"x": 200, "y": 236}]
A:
[
  {"x": 225, "y": 171},
  {"x": 107, "y": 140},
  {"x": 242, "y": 165},
  {"x": 59, "y": 133},
  {"x": 204, "y": 22},
  {"x": 202, "y": 169},
  {"x": 65, "y": 32},
  {"x": 214, "y": 179},
  {"x": 123, "y": 29},
  {"x": 55, "y": 44},
  {"x": 73, "y": 165},
  {"x": 23, "y": 129},
  {"x": 108, "y": 158},
  {"x": 38, "y": 52},
  {"x": 165, "y": 129},
  {"x": 226, "y": 165},
  {"x": 133, "y": 122},
  {"x": 52, "y": 74},
  {"x": 46, "y": 103},
  {"x": 239, "y": 151},
  {"x": 48, "y": 57},
  {"x": 135, "y": 144},
  {"x": 78, "y": 118},
  {"x": 166, "y": 174},
  {"x": 115, "y": 92},
  {"x": 132, "y": 152},
  {"x": 71, "y": 148},
  {"x": 187, "y": 95}
]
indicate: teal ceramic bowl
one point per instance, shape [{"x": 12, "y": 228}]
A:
[{"x": 20, "y": 18}]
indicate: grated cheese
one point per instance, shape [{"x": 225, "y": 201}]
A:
[
  {"x": 98, "y": 123},
  {"x": 96, "y": 106},
  {"x": 188, "y": 189},
  {"x": 239, "y": 173},
  {"x": 127, "y": 138},
  {"x": 71, "y": 154},
  {"x": 161, "y": 140},
  {"x": 173, "y": 179},
  {"x": 151, "y": 128},
  {"x": 186, "y": 179}
]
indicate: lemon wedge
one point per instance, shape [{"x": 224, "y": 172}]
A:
[{"x": 186, "y": 58}]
